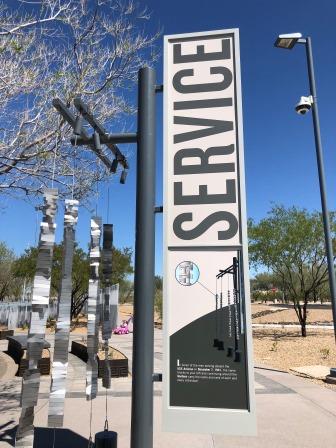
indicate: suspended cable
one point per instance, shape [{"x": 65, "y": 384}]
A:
[
  {"x": 215, "y": 342},
  {"x": 36, "y": 225},
  {"x": 108, "y": 202},
  {"x": 97, "y": 190},
  {"x": 54, "y": 438},
  {"x": 90, "y": 444},
  {"x": 58, "y": 138},
  {"x": 106, "y": 420},
  {"x": 74, "y": 169},
  {"x": 230, "y": 316}
]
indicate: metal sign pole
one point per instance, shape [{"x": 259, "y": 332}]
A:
[
  {"x": 323, "y": 194},
  {"x": 143, "y": 333}
]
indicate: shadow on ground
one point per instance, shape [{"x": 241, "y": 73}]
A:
[
  {"x": 44, "y": 437},
  {"x": 283, "y": 334}
]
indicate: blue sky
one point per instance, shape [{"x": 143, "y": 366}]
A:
[{"x": 279, "y": 144}]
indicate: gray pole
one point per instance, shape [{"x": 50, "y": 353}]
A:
[
  {"x": 320, "y": 166},
  {"x": 143, "y": 334}
]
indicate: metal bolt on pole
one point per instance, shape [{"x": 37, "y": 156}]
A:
[
  {"x": 143, "y": 334},
  {"x": 320, "y": 166}
]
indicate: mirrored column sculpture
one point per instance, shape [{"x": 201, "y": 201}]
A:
[
  {"x": 106, "y": 309},
  {"x": 114, "y": 302},
  {"x": 39, "y": 312},
  {"x": 93, "y": 311},
  {"x": 60, "y": 359}
]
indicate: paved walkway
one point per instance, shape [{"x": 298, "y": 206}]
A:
[{"x": 292, "y": 412}]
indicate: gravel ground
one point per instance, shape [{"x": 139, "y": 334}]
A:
[
  {"x": 257, "y": 308},
  {"x": 280, "y": 316},
  {"x": 283, "y": 349}
]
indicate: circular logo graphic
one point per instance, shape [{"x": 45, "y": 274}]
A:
[{"x": 187, "y": 273}]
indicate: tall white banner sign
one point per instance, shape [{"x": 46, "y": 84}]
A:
[{"x": 208, "y": 370}]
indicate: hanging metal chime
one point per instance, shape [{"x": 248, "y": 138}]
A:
[
  {"x": 93, "y": 311},
  {"x": 39, "y": 312},
  {"x": 62, "y": 334}
]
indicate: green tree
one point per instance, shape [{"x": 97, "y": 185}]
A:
[
  {"x": 121, "y": 270},
  {"x": 158, "y": 294},
  {"x": 64, "y": 48},
  {"x": 8, "y": 288},
  {"x": 289, "y": 242},
  {"x": 24, "y": 268},
  {"x": 263, "y": 284},
  {"x": 265, "y": 281},
  {"x": 121, "y": 264},
  {"x": 126, "y": 291}
]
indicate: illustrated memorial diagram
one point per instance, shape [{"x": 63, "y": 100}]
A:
[{"x": 208, "y": 354}]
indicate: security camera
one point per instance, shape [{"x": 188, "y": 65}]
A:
[{"x": 304, "y": 105}]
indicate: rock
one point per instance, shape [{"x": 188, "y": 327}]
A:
[{"x": 318, "y": 372}]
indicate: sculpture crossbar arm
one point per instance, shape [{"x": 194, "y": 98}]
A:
[
  {"x": 71, "y": 119},
  {"x": 84, "y": 110},
  {"x": 85, "y": 138}
]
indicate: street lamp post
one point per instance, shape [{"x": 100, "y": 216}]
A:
[{"x": 288, "y": 41}]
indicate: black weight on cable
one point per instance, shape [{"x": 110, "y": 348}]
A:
[{"x": 106, "y": 439}]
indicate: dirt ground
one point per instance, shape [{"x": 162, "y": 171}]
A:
[
  {"x": 283, "y": 349},
  {"x": 125, "y": 311},
  {"x": 282, "y": 316},
  {"x": 286, "y": 348}
]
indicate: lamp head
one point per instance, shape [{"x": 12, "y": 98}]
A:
[{"x": 287, "y": 41}]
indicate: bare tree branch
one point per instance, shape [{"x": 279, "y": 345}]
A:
[{"x": 64, "y": 48}]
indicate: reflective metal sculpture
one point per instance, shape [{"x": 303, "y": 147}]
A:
[
  {"x": 39, "y": 312},
  {"x": 114, "y": 302},
  {"x": 60, "y": 360},
  {"x": 93, "y": 311},
  {"x": 106, "y": 293}
]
